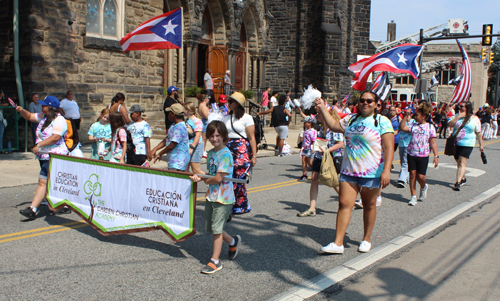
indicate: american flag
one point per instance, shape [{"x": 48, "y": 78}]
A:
[
  {"x": 146, "y": 164},
  {"x": 12, "y": 103},
  {"x": 400, "y": 59},
  {"x": 161, "y": 32},
  {"x": 464, "y": 85}
]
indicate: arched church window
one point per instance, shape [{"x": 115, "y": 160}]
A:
[{"x": 105, "y": 19}]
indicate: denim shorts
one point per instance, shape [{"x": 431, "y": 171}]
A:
[
  {"x": 44, "y": 169},
  {"x": 362, "y": 182},
  {"x": 308, "y": 153},
  {"x": 197, "y": 153},
  {"x": 205, "y": 123}
]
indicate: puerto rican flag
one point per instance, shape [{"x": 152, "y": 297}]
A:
[
  {"x": 400, "y": 59},
  {"x": 346, "y": 99},
  {"x": 162, "y": 32},
  {"x": 464, "y": 81}
]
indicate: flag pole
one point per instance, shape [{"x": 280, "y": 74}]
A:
[{"x": 182, "y": 54}]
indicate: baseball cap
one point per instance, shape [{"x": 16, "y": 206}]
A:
[
  {"x": 222, "y": 98},
  {"x": 172, "y": 89},
  {"x": 50, "y": 100},
  {"x": 308, "y": 119},
  {"x": 135, "y": 108},
  {"x": 176, "y": 108},
  {"x": 486, "y": 105}
]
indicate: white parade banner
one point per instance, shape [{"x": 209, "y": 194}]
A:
[{"x": 116, "y": 199}]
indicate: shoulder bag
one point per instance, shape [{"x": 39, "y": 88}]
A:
[
  {"x": 231, "y": 118},
  {"x": 451, "y": 142}
]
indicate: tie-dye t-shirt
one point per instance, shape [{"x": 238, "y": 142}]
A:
[
  {"x": 99, "y": 131},
  {"x": 117, "y": 146},
  {"x": 404, "y": 137},
  {"x": 139, "y": 131},
  {"x": 308, "y": 138},
  {"x": 364, "y": 156},
  {"x": 420, "y": 136},
  {"x": 332, "y": 138},
  {"x": 194, "y": 124},
  {"x": 58, "y": 126},
  {"x": 221, "y": 161},
  {"x": 179, "y": 157},
  {"x": 467, "y": 135}
]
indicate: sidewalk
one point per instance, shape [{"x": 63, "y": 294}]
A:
[
  {"x": 460, "y": 263},
  {"x": 21, "y": 168}
]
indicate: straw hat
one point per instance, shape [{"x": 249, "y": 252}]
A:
[{"x": 240, "y": 98}]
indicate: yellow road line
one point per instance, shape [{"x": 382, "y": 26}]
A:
[
  {"x": 40, "y": 229},
  {"x": 43, "y": 233}
]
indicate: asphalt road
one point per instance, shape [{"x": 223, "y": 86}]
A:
[{"x": 57, "y": 258}]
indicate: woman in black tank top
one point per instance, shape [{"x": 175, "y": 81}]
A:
[{"x": 278, "y": 121}]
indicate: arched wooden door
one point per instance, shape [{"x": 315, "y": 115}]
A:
[{"x": 217, "y": 62}]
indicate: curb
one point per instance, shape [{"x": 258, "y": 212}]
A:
[{"x": 351, "y": 268}]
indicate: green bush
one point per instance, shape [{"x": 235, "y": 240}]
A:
[
  {"x": 192, "y": 91},
  {"x": 165, "y": 91},
  {"x": 248, "y": 94}
]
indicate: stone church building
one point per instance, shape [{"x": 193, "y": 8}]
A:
[{"x": 287, "y": 45}]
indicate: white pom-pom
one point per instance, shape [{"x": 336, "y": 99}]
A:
[
  {"x": 309, "y": 98},
  {"x": 215, "y": 116},
  {"x": 296, "y": 102}
]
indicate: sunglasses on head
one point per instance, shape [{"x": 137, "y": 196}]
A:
[{"x": 367, "y": 100}]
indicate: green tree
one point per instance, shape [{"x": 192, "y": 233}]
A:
[{"x": 492, "y": 73}]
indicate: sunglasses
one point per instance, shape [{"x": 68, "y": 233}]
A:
[
  {"x": 461, "y": 106},
  {"x": 367, "y": 100},
  {"x": 230, "y": 100}
]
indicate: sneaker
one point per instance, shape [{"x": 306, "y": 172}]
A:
[
  {"x": 457, "y": 186},
  {"x": 364, "y": 246},
  {"x": 44, "y": 203},
  {"x": 308, "y": 212},
  {"x": 333, "y": 248},
  {"x": 423, "y": 192},
  {"x": 463, "y": 182},
  {"x": 205, "y": 154},
  {"x": 211, "y": 267},
  {"x": 233, "y": 250},
  {"x": 303, "y": 179},
  {"x": 413, "y": 200},
  {"x": 28, "y": 212},
  {"x": 379, "y": 201},
  {"x": 63, "y": 210},
  {"x": 392, "y": 166},
  {"x": 358, "y": 204},
  {"x": 401, "y": 184}
]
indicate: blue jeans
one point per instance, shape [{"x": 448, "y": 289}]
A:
[{"x": 403, "y": 158}]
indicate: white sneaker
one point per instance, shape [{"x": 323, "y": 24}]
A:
[
  {"x": 333, "y": 248},
  {"x": 364, "y": 246},
  {"x": 379, "y": 201},
  {"x": 413, "y": 200},
  {"x": 358, "y": 204},
  {"x": 423, "y": 192}
]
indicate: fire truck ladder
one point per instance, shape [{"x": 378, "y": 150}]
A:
[{"x": 440, "y": 29}]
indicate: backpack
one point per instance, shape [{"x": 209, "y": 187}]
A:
[{"x": 71, "y": 139}]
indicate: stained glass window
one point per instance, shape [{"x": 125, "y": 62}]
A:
[
  {"x": 109, "y": 18},
  {"x": 93, "y": 16}
]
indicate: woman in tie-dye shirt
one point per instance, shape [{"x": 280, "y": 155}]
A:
[
  {"x": 423, "y": 137},
  {"x": 466, "y": 139},
  {"x": 366, "y": 165},
  {"x": 50, "y": 138}
]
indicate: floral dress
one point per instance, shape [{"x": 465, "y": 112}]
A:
[{"x": 242, "y": 156}]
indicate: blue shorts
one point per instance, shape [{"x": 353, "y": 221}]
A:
[
  {"x": 44, "y": 169},
  {"x": 308, "y": 153},
  {"x": 205, "y": 123},
  {"x": 362, "y": 182},
  {"x": 197, "y": 153}
]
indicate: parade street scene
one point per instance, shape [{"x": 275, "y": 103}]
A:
[{"x": 249, "y": 150}]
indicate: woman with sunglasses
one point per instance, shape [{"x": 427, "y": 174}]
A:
[
  {"x": 243, "y": 147},
  {"x": 366, "y": 165},
  {"x": 470, "y": 131}
]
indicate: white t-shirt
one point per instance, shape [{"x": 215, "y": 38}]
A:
[
  {"x": 70, "y": 108},
  {"x": 208, "y": 80},
  {"x": 274, "y": 101},
  {"x": 239, "y": 125}
]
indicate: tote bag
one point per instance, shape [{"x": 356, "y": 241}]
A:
[{"x": 327, "y": 173}]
